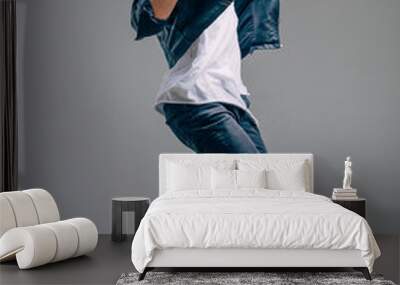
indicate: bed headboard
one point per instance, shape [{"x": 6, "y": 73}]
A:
[{"x": 165, "y": 157}]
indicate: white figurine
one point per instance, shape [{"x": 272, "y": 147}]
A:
[{"x": 347, "y": 174}]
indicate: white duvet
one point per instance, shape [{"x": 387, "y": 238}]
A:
[{"x": 250, "y": 218}]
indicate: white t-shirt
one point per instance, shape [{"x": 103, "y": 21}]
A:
[{"x": 210, "y": 70}]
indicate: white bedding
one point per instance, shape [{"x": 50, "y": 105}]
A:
[{"x": 251, "y": 218}]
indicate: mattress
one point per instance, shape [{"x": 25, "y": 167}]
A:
[{"x": 251, "y": 219}]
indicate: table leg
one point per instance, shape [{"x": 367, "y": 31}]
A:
[
  {"x": 140, "y": 210},
  {"x": 116, "y": 222}
]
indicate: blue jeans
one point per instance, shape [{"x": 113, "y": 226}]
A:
[{"x": 214, "y": 128}]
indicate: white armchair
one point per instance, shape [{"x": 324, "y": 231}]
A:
[{"x": 31, "y": 230}]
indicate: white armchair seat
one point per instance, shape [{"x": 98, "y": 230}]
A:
[{"x": 31, "y": 232}]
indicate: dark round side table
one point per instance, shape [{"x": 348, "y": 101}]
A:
[{"x": 139, "y": 205}]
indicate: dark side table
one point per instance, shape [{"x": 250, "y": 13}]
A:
[
  {"x": 358, "y": 206},
  {"x": 139, "y": 205}
]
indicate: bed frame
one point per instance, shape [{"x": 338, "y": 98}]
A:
[{"x": 245, "y": 259}]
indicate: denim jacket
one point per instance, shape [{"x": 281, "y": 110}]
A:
[{"x": 258, "y": 26}]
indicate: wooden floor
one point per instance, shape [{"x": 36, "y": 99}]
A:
[{"x": 110, "y": 260}]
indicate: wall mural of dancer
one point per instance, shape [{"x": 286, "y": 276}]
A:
[{"x": 202, "y": 95}]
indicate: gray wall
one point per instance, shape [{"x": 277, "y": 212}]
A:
[{"x": 86, "y": 97}]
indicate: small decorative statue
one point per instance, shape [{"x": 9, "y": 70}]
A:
[{"x": 347, "y": 173}]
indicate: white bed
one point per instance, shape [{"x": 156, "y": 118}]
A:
[{"x": 249, "y": 227}]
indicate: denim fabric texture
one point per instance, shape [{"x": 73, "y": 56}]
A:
[
  {"x": 215, "y": 127},
  {"x": 258, "y": 26}
]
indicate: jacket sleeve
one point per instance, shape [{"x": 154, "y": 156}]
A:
[
  {"x": 258, "y": 25},
  {"x": 143, "y": 20}
]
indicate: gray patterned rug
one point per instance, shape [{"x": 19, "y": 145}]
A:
[{"x": 244, "y": 278}]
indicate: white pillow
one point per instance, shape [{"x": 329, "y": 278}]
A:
[
  {"x": 290, "y": 179},
  {"x": 281, "y": 174},
  {"x": 251, "y": 178},
  {"x": 226, "y": 179},
  {"x": 223, "y": 179},
  {"x": 188, "y": 177}
]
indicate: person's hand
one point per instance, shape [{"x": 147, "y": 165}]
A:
[{"x": 163, "y": 8}]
